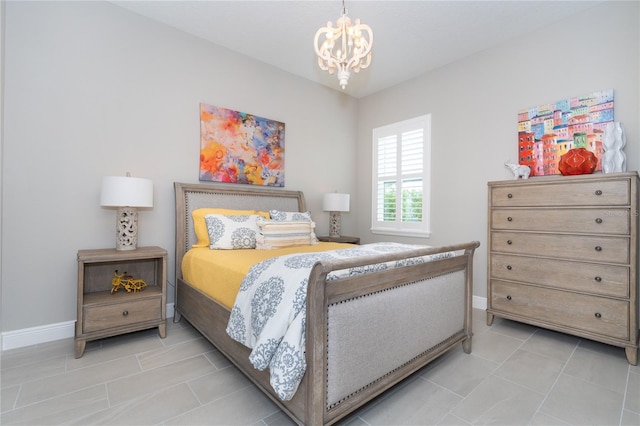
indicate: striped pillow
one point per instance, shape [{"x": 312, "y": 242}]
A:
[{"x": 277, "y": 234}]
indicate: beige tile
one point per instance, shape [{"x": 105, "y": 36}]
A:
[
  {"x": 630, "y": 418},
  {"x": 60, "y": 410},
  {"x": 218, "y": 384},
  {"x": 117, "y": 347},
  {"x": 542, "y": 419},
  {"x": 534, "y": 371},
  {"x": 217, "y": 359},
  {"x": 8, "y": 396},
  {"x": 179, "y": 333},
  {"x": 579, "y": 402},
  {"x": 551, "y": 344},
  {"x": 169, "y": 354},
  {"x": 414, "y": 402},
  {"x": 149, "y": 409},
  {"x": 460, "y": 373},
  {"x": 599, "y": 368},
  {"x": 279, "y": 419},
  {"x": 497, "y": 401},
  {"x": 61, "y": 384},
  {"x": 33, "y": 371},
  {"x": 514, "y": 329},
  {"x": 150, "y": 381},
  {"x": 451, "y": 420},
  {"x": 495, "y": 347},
  {"x": 632, "y": 400},
  {"x": 244, "y": 407}
]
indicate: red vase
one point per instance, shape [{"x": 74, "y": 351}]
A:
[{"x": 578, "y": 161}]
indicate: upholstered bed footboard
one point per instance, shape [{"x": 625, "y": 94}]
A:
[{"x": 371, "y": 336}]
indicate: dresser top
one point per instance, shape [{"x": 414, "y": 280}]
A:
[{"x": 564, "y": 179}]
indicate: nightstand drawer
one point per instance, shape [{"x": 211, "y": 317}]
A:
[
  {"x": 584, "y": 221},
  {"x": 607, "y": 280},
  {"x": 103, "y": 317},
  {"x": 576, "y": 247},
  {"x": 596, "y": 193},
  {"x": 593, "y": 314}
]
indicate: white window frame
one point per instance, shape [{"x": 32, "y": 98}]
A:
[{"x": 399, "y": 228}]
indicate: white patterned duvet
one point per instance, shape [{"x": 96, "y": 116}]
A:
[{"x": 269, "y": 314}]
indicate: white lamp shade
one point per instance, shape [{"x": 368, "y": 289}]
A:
[
  {"x": 335, "y": 202},
  {"x": 121, "y": 191}
]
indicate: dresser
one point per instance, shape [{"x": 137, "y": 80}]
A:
[{"x": 563, "y": 255}]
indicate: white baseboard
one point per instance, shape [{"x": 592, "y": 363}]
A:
[
  {"x": 46, "y": 333},
  {"x": 64, "y": 330},
  {"x": 479, "y": 302}
]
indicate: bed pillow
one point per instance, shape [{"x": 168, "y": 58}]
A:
[
  {"x": 281, "y": 216},
  {"x": 232, "y": 232},
  {"x": 200, "y": 226},
  {"x": 278, "y": 234}
]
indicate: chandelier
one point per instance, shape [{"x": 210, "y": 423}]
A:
[{"x": 345, "y": 47}]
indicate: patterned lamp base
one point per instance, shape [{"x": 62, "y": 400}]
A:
[
  {"x": 127, "y": 228},
  {"x": 334, "y": 224}
]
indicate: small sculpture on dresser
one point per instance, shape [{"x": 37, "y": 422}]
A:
[
  {"x": 614, "y": 159},
  {"x": 519, "y": 170}
]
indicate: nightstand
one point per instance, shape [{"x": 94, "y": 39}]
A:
[
  {"x": 102, "y": 313},
  {"x": 341, "y": 239}
]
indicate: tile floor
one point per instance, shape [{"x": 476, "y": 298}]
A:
[{"x": 516, "y": 375}]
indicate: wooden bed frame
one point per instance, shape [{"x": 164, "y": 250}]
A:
[{"x": 419, "y": 311}]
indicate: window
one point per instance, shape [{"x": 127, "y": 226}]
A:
[{"x": 401, "y": 169}]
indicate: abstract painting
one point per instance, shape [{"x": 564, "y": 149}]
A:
[
  {"x": 546, "y": 132},
  {"x": 237, "y": 147}
]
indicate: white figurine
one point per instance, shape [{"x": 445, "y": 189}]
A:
[{"x": 519, "y": 170}]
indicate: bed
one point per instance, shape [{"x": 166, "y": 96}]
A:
[{"x": 364, "y": 332}]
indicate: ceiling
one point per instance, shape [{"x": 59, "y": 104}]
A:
[{"x": 410, "y": 37}]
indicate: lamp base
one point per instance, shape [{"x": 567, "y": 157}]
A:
[
  {"x": 127, "y": 228},
  {"x": 334, "y": 224}
]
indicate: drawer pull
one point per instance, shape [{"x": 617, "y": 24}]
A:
[
  {"x": 509, "y": 297},
  {"x": 598, "y": 192},
  {"x": 508, "y": 267},
  {"x": 509, "y": 195},
  {"x": 509, "y": 242},
  {"x": 598, "y": 279},
  {"x": 598, "y": 220},
  {"x": 598, "y": 315},
  {"x": 510, "y": 219},
  {"x": 598, "y": 248},
  {"x": 125, "y": 313}
]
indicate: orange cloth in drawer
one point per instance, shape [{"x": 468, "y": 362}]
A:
[{"x": 219, "y": 273}]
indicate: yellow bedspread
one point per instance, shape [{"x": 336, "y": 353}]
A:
[{"x": 219, "y": 273}]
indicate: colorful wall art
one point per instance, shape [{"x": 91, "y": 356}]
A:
[
  {"x": 237, "y": 147},
  {"x": 546, "y": 132}
]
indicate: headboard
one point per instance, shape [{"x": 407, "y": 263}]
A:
[{"x": 191, "y": 196}]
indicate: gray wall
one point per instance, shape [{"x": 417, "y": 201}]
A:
[
  {"x": 474, "y": 105},
  {"x": 92, "y": 90}
]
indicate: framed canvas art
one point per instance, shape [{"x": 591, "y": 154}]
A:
[
  {"x": 237, "y": 147},
  {"x": 546, "y": 132}
]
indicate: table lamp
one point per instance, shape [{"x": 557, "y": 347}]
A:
[
  {"x": 127, "y": 194},
  {"x": 335, "y": 203}
]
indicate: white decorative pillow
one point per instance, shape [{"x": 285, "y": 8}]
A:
[
  {"x": 280, "y": 216},
  {"x": 230, "y": 232},
  {"x": 277, "y": 234}
]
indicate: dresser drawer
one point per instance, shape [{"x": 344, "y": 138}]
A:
[
  {"x": 576, "y": 247},
  {"x": 607, "y": 280},
  {"x": 586, "y": 221},
  {"x": 593, "y": 193},
  {"x": 593, "y": 314},
  {"x": 113, "y": 315}
]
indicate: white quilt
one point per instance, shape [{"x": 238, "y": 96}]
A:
[{"x": 269, "y": 314}]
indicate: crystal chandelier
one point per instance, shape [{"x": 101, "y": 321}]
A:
[{"x": 346, "y": 47}]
